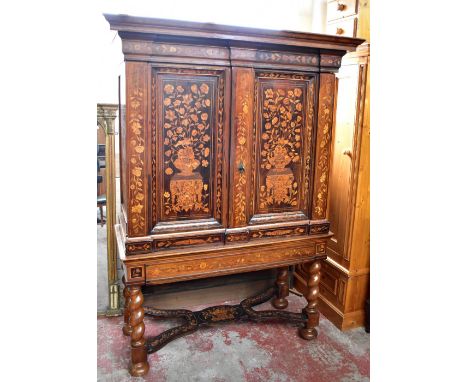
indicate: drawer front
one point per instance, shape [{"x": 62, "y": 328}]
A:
[
  {"x": 341, "y": 8},
  {"x": 228, "y": 262},
  {"x": 346, "y": 27}
]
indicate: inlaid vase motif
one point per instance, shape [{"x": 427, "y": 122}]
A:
[
  {"x": 186, "y": 187},
  {"x": 187, "y": 112},
  {"x": 281, "y": 143}
]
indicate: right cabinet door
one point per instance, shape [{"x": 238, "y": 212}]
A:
[{"x": 272, "y": 150}]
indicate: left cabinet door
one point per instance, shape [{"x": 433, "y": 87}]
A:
[{"x": 189, "y": 136}]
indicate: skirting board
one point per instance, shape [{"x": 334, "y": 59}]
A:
[{"x": 341, "y": 321}]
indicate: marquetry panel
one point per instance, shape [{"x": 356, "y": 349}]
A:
[
  {"x": 172, "y": 52},
  {"x": 274, "y": 59},
  {"x": 323, "y": 142},
  {"x": 227, "y": 264},
  {"x": 139, "y": 247},
  {"x": 188, "y": 241},
  {"x": 241, "y": 146},
  {"x": 275, "y": 232},
  {"x": 237, "y": 236},
  {"x": 136, "y": 128},
  {"x": 319, "y": 227},
  {"x": 283, "y": 133},
  {"x": 188, "y": 136}
]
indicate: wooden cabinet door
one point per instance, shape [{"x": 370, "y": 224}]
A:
[
  {"x": 341, "y": 171},
  {"x": 189, "y": 157},
  {"x": 272, "y": 159}
]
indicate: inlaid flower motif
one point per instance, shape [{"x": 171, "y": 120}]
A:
[
  {"x": 168, "y": 89},
  {"x": 139, "y": 196},
  {"x": 137, "y": 171},
  {"x": 281, "y": 137},
  {"x": 204, "y": 88},
  {"x": 170, "y": 115},
  {"x": 137, "y": 208},
  {"x": 187, "y": 136}
]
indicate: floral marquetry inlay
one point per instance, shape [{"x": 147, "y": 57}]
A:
[
  {"x": 243, "y": 81},
  {"x": 187, "y": 142},
  {"x": 136, "y": 150},
  {"x": 282, "y": 124},
  {"x": 325, "y": 121},
  {"x": 189, "y": 267}
]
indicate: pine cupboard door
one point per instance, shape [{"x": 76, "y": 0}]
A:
[
  {"x": 271, "y": 144},
  {"x": 341, "y": 170},
  {"x": 189, "y": 109}
]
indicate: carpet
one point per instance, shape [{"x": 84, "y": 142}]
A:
[{"x": 235, "y": 352}]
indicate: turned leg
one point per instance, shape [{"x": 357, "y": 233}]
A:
[
  {"x": 308, "y": 332},
  {"x": 139, "y": 365},
  {"x": 282, "y": 281},
  {"x": 126, "y": 329}
]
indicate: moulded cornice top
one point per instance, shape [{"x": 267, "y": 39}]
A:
[{"x": 231, "y": 35}]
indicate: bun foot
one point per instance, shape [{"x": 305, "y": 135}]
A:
[
  {"x": 279, "y": 303},
  {"x": 308, "y": 333},
  {"x": 139, "y": 369}
]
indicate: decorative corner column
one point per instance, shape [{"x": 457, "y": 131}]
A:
[{"x": 106, "y": 114}]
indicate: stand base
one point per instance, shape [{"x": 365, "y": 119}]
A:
[{"x": 219, "y": 314}]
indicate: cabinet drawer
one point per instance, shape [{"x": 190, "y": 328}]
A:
[
  {"x": 345, "y": 27},
  {"x": 338, "y": 9}
]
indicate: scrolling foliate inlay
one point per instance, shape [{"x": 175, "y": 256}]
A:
[
  {"x": 153, "y": 149},
  {"x": 187, "y": 132},
  {"x": 136, "y": 149},
  {"x": 241, "y": 160},
  {"x": 189, "y": 267},
  {"x": 281, "y": 143},
  {"x": 219, "y": 146},
  {"x": 243, "y": 122},
  {"x": 307, "y": 145},
  {"x": 325, "y": 120}
]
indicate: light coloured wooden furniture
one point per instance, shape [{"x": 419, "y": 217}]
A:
[
  {"x": 348, "y": 18},
  {"x": 225, "y": 164},
  {"x": 345, "y": 273}
]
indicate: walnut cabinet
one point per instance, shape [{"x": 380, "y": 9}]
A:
[{"x": 225, "y": 157}]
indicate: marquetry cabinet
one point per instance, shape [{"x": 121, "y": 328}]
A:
[{"x": 225, "y": 161}]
